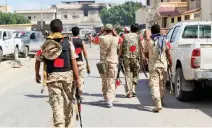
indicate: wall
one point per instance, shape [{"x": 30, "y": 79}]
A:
[
  {"x": 141, "y": 16},
  {"x": 206, "y": 10},
  {"x": 26, "y": 27}
]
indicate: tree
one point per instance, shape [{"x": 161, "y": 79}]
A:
[
  {"x": 9, "y": 18},
  {"x": 123, "y": 14}
]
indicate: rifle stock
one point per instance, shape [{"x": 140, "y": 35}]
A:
[{"x": 170, "y": 81}]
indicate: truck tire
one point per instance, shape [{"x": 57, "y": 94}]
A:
[
  {"x": 26, "y": 52},
  {"x": 179, "y": 81},
  {"x": 15, "y": 54},
  {"x": 1, "y": 55}
]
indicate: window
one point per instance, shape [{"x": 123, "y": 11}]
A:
[
  {"x": 174, "y": 35},
  {"x": 169, "y": 35},
  {"x": 187, "y": 17},
  {"x": 0, "y": 34},
  {"x": 190, "y": 31},
  {"x": 178, "y": 19},
  {"x": 204, "y": 31},
  {"x": 66, "y": 16},
  {"x": 10, "y": 35},
  {"x": 172, "y": 20},
  {"x": 85, "y": 12},
  {"x": 29, "y": 17}
]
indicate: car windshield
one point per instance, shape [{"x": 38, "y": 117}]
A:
[
  {"x": 27, "y": 34},
  {"x": 19, "y": 34},
  {"x": 0, "y": 34}
]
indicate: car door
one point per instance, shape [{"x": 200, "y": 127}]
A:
[
  {"x": 33, "y": 42},
  {"x": 11, "y": 43},
  {"x": 7, "y": 43},
  {"x": 173, "y": 41}
]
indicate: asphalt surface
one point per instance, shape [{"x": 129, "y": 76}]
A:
[{"x": 22, "y": 104}]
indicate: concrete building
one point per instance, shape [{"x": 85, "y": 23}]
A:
[
  {"x": 4, "y": 8},
  {"x": 159, "y": 12},
  {"x": 84, "y": 14}
]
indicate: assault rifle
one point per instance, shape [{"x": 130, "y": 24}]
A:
[
  {"x": 79, "y": 101},
  {"x": 170, "y": 80}
]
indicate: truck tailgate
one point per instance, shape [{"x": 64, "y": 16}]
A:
[{"x": 206, "y": 56}]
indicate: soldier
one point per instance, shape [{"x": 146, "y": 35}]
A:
[
  {"x": 80, "y": 49},
  {"x": 108, "y": 55},
  {"x": 157, "y": 49},
  {"x": 130, "y": 50},
  {"x": 58, "y": 55}
]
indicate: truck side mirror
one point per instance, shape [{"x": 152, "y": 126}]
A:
[{"x": 32, "y": 36}]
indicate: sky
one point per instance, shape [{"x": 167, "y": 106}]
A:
[{"x": 36, "y": 4}]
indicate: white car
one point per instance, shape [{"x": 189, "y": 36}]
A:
[
  {"x": 8, "y": 45},
  {"x": 191, "y": 49}
]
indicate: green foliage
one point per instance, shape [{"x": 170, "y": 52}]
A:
[
  {"x": 9, "y": 18},
  {"x": 122, "y": 14}
]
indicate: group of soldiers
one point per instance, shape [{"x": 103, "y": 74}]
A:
[
  {"x": 63, "y": 69},
  {"x": 134, "y": 52}
]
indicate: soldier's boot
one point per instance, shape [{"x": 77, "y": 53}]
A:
[
  {"x": 60, "y": 126},
  {"x": 158, "y": 105},
  {"x": 162, "y": 101}
]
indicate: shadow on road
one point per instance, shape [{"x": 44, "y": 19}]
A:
[
  {"x": 36, "y": 96},
  {"x": 100, "y": 95},
  {"x": 202, "y": 103}
]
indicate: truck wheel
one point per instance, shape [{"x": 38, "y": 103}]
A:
[
  {"x": 26, "y": 52},
  {"x": 1, "y": 55},
  {"x": 16, "y": 53},
  {"x": 179, "y": 81}
]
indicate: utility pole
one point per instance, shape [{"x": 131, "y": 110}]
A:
[
  {"x": 41, "y": 15},
  {"x": 6, "y": 6}
]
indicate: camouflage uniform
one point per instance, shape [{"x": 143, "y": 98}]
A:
[
  {"x": 157, "y": 70},
  {"x": 108, "y": 54},
  {"x": 60, "y": 87},
  {"x": 80, "y": 65},
  {"x": 131, "y": 56}
]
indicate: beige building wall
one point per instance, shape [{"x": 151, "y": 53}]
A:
[
  {"x": 4, "y": 8},
  {"x": 26, "y": 27}
]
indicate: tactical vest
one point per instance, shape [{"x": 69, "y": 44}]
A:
[
  {"x": 63, "y": 62},
  {"x": 131, "y": 45},
  {"x": 78, "y": 48}
]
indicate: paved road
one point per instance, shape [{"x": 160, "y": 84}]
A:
[{"x": 22, "y": 105}]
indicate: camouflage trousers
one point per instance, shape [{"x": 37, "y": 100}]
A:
[
  {"x": 80, "y": 65},
  {"x": 60, "y": 99},
  {"x": 109, "y": 82},
  {"x": 132, "y": 68},
  {"x": 157, "y": 83}
]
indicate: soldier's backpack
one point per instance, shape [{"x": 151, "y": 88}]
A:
[{"x": 131, "y": 45}]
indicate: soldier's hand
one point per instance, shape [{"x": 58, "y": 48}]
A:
[
  {"x": 38, "y": 78},
  {"x": 78, "y": 83},
  {"x": 88, "y": 69}
]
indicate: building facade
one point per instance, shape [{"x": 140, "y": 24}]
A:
[
  {"x": 4, "y": 8},
  {"x": 84, "y": 14}
]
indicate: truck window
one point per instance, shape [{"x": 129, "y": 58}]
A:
[
  {"x": 190, "y": 31},
  {"x": 204, "y": 31},
  {"x": 174, "y": 35},
  {"x": 0, "y": 34},
  {"x": 10, "y": 36},
  {"x": 169, "y": 35}
]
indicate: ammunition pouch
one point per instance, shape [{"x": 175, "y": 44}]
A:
[{"x": 101, "y": 66}]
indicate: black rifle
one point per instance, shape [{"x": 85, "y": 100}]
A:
[
  {"x": 79, "y": 101},
  {"x": 143, "y": 67},
  {"x": 170, "y": 80}
]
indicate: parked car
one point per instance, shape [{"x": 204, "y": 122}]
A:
[
  {"x": 8, "y": 44},
  {"x": 191, "y": 47},
  {"x": 32, "y": 41}
]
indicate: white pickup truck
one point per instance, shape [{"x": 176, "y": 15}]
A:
[
  {"x": 8, "y": 45},
  {"x": 191, "y": 49}
]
